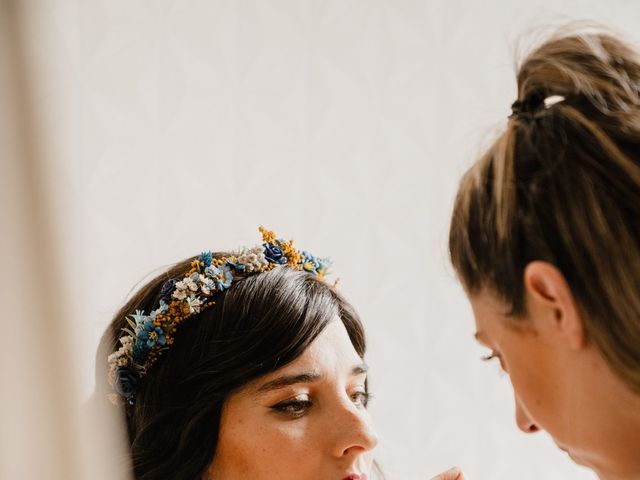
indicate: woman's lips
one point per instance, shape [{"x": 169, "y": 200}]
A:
[{"x": 355, "y": 476}]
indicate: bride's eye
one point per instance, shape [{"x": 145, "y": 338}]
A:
[
  {"x": 294, "y": 408},
  {"x": 361, "y": 398}
]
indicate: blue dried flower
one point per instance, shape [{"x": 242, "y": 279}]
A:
[
  {"x": 239, "y": 267},
  {"x": 206, "y": 258},
  {"x": 223, "y": 278},
  {"x": 211, "y": 271},
  {"x": 139, "y": 352},
  {"x": 161, "y": 309},
  {"x": 167, "y": 289},
  {"x": 310, "y": 263},
  {"x": 325, "y": 263},
  {"x": 150, "y": 335},
  {"x": 274, "y": 254},
  {"x": 126, "y": 382}
]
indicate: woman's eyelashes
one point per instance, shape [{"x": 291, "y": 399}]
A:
[
  {"x": 300, "y": 406},
  {"x": 494, "y": 355},
  {"x": 361, "y": 398}
]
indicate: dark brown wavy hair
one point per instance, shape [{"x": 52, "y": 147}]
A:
[{"x": 258, "y": 325}]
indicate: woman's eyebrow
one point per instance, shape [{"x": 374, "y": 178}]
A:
[{"x": 360, "y": 369}]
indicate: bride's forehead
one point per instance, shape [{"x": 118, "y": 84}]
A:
[{"x": 332, "y": 348}]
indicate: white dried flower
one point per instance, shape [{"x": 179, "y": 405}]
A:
[
  {"x": 113, "y": 358},
  {"x": 194, "y": 304},
  {"x": 190, "y": 284},
  {"x": 121, "y": 357},
  {"x": 253, "y": 259},
  {"x": 112, "y": 375},
  {"x": 179, "y": 294}
]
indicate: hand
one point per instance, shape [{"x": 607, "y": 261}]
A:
[{"x": 452, "y": 474}]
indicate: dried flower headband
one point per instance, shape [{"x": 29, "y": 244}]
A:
[{"x": 148, "y": 336}]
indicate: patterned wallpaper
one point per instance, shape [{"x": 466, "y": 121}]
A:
[{"x": 179, "y": 125}]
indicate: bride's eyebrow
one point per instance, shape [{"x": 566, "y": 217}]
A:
[
  {"x": 287, "y": 380},
  {"x": 305, "y": 377}
]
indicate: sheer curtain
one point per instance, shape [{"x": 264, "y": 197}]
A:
[{"x": 43, "y": 430}]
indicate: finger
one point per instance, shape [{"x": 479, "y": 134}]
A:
[{"x": 452, "y": 474}]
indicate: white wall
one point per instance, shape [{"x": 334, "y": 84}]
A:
[{"x": 182, "y": 125}]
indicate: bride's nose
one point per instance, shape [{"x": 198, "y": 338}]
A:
[{"x": 354, "y": 431}]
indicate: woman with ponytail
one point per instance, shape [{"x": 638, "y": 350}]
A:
[{"x": 545, "y": 239}]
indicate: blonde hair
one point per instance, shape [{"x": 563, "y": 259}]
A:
[{"x": 562, "y": 184}]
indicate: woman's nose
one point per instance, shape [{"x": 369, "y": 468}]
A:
[
  {"x": 355, "y": 431},
  {"x": 522, "y": 419}
]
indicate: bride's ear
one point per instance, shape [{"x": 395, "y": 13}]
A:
[{"x": 551, "y": 303}]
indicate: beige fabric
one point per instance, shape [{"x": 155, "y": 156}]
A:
[{"x": 41, "y": 434}]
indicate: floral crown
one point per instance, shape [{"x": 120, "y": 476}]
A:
[{"x": 148, "y": 336}]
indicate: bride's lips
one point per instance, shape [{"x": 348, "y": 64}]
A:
[{"x": 355, "y": 476}]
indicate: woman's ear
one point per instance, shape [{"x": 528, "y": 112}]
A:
[{"x": 550, "y": 300}]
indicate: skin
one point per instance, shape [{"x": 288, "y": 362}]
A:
[
  {"x": 451, "y": 474},
  {"x": 306, "y": 420},
  {"x": 561, "y": 382}
]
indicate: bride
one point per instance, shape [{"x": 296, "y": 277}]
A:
[{"x": 242, "y": 365}]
